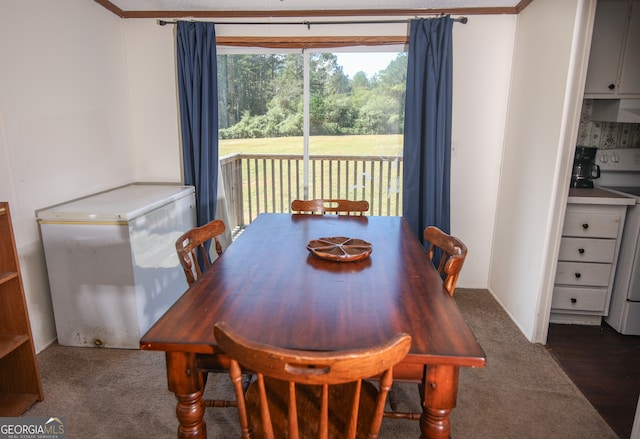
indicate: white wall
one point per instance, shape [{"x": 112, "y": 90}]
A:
[
  {"x": 64, "y": 122},
  {"x": 482, "y": 67},
  {"x": 534, "y": 176},
  {"x": 151, "y": 63},
  {"x": 483, "y": 52}
]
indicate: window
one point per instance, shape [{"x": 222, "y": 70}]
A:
[{"x": 311, "y": 124}]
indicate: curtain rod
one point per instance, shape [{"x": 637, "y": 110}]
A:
[{"x": 462, "y": 20}]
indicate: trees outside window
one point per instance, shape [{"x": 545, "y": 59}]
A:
[{"x": 261, "y": 96}]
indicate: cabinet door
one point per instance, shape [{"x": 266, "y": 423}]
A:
[
  {"x": 606, "y": 47},
  {"x": 630, "y": 76}
]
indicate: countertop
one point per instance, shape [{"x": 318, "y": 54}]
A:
[{"x": 598, "y": 195}]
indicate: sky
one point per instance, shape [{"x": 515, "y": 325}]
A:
[{"x": 370, "y": 63}]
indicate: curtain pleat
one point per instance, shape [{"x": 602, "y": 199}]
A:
[
  {"x": 198, "y": 95},
  {"x": 427, "y": 131}
]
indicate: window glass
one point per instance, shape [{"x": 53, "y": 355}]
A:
[
  {"x": 259, "y": 98},
  {"x": 352, "y": 146},
  {"x": 357, "y": 110}
]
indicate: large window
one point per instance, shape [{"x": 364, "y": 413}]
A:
[{"x": 312, "y": 124}]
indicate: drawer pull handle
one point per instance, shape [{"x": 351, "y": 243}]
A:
[
  {"x": 585, "y": 226},
  {"x": 578, "y": 275},
  {"x": 574, "y": 300},
  {"x": 581, "y": 251}
]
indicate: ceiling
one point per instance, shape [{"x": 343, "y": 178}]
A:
[{"x": 203, "y": 8}]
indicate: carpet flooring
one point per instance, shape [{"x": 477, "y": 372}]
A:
[{"x": 522, "y": 392}]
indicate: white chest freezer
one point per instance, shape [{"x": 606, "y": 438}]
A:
[{"x": 112, "y": 264}]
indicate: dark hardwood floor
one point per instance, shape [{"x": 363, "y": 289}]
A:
[{"x": 604, "y": 365}]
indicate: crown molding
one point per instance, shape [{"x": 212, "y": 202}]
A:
[{"x": 107, "y": 4}]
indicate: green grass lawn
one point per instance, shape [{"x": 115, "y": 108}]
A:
[{"x": 379, "y": 145}]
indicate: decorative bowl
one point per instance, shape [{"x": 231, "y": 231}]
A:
[{"x": 340, "y": 248}]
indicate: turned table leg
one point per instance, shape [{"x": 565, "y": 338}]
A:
[
  {"x": 187, "y": 383},
  {"x": 440, "y": 393}
]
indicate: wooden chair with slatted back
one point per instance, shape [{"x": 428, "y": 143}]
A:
[
  {"x": 190, "y": 247},
  {"x": 453, "y": 254},
  {"x": 310, "y": 393},
  {"x": 192, "y": 243},
  {"x": 337, "y": 206}
]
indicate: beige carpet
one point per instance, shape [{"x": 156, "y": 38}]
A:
[{"x": 522, "y": 393}]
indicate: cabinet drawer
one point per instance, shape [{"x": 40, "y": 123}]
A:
[
  {"x": 591, "y": 225},
  {"x": 587, "y": 250},
  {"x": 583, "y": 273},
  {"x": 579, "y": 299}
]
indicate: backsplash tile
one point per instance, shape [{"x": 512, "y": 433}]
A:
[{"x": 606, "y": 135}]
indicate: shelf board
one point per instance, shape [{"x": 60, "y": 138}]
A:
[
  {"x": 15, "y": 404},
  {"x": 7, "y": 275},
  {"x": 9, "y": 343}
]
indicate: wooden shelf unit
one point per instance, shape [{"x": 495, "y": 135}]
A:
[{"x": 20, "y": 383}]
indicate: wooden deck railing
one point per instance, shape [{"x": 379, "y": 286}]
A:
[{"x": 259, "y": 183}]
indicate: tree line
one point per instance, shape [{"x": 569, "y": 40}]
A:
[{"x": 262, "y": 96}]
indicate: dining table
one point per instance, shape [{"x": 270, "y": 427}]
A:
[{"x": 273, "y": 289}]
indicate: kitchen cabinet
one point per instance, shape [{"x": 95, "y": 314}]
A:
[
  {"x": 614, "y": 60},
  {"x": 20, "y": 384},
  {"x": 587, "y": 259}
]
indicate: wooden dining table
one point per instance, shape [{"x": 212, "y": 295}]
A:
[{"x": 269, "y": 286}]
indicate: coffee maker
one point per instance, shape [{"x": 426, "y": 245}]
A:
[{"x": 584, "y": 168}]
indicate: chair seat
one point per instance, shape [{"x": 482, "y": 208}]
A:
[{"x": 308, "y": 400}]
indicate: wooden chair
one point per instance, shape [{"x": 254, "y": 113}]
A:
[
  {"x": 195, "y": 260},
  {"x": 309, "y": 393},
  {"x": 322, "y": 206},
  {"x": 192, "y": 244},
  {"x": 453, "y": 253}
]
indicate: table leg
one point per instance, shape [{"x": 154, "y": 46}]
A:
[
  {"x": 187, "y": 383},
  {"x": 440, "y": 393}
]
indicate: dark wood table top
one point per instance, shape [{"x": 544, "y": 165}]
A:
[{"x": 273, "y": 290}]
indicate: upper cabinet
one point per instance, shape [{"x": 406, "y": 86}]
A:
[
  {"x": 614, "y": 62},
  {"x": 630, "y": 70}
]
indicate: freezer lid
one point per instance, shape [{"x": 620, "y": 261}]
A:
[{"x": 121, "y": 204}]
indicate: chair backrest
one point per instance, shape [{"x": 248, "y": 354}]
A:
[
  {"x": 294, "y": 389},
  {"x": 453, "y": 254},
  {"x": 192, "y": 252},
  {"x": 322, "y": 206}
]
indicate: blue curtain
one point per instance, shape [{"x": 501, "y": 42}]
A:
[
  {"x": 427, "y": 126},
  {"x": 198, "y": 95}
]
